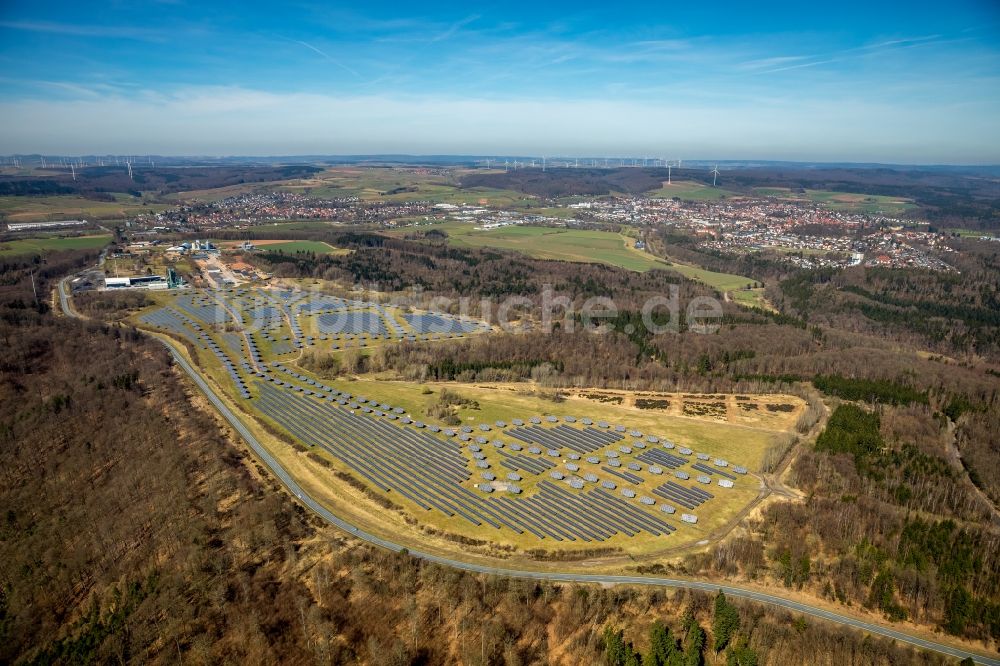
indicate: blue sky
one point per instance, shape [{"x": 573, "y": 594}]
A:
[{"x": 891, "y": 82}]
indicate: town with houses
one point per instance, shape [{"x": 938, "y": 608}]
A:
[{"x": 804, "y": 234}]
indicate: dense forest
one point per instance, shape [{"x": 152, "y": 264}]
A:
[
  {"x": 889, "y": 522},
  {"x": 137, "y": 529}
]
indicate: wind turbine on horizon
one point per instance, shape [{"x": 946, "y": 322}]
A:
[{"x": 715, "y": 174}]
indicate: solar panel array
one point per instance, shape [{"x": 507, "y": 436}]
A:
[
  {"x": 662, "y": 458},
  {"x": 430, "y": 471},
  {"x": 688, "y": 497},
  {"x": 355, "y": 322},
  {"x": 566, "y": 500},
  {"x": 582, "y": 440},
  {"x": 709, "y": 470},
  {"x": 425, "y": 324},
  {"x": 525, "y": 463}
]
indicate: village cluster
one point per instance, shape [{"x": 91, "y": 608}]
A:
[{"x": 803, "y": 233}]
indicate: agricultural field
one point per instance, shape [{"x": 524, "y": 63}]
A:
[
  {"x": 218, "y": 193},
  {"x": 59, "y": 207},
  {"x": 691, "y": 191},
  {"x": 399, "y": 185},
  {"x": 46, "y": 244},
  {"x": 506, "y": 469},
  {"x": 615, "y": 249},
  {"x": 289, "y": 247},
  {"x": 849, "y": 202},
  {"x": 559, "y": 244}
]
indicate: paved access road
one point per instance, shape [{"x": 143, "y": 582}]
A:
[{"x": 705, "y": 585}]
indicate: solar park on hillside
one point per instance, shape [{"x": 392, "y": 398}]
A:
[{"x": 567, "y": 479}]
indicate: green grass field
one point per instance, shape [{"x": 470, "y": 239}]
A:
[
  {"x": 559, "y": 244},
  {"x": 848, "y": 202},
  {"x": 720, "y": 281},
  {"x": 291, "y": 247},
  {"x": 587, "y": 247},
  {"x": 53, "y": 244},
  {"x": 288, "y": 247},
  {"x": 690, "y": 190}
]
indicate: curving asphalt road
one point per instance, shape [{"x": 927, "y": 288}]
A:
[{"x": 707, "y": 586}]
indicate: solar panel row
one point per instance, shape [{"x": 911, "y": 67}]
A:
[{"x": 581, "y": 440}]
